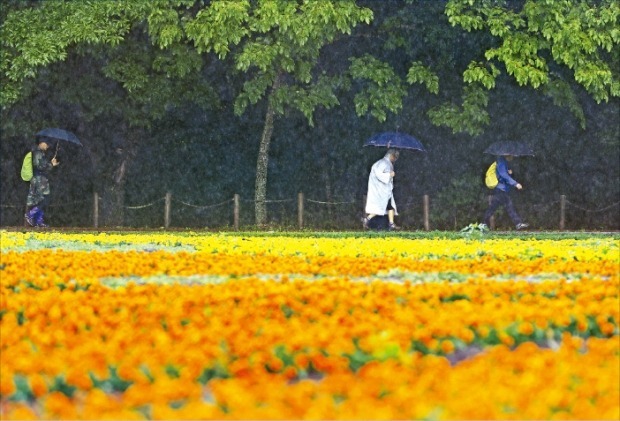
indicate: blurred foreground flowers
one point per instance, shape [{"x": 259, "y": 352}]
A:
[{"x": 222, "y": 327}]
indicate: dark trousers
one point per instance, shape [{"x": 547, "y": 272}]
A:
[
  {"x": 381, "y": 222},
  {"x": 378, "y": 222},
  {"x": 501, "y": 198},
  {"x": 42, "y": 204}
]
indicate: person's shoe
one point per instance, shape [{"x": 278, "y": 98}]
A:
[
  {"x": 365, "y": 223},
  {"x": 393, "y": 227},
  {"x": 522, "y": 225},
  {"x": 40, "y": 223},
  {"x": 29, "y": 219}
]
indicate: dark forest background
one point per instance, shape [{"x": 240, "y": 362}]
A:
[{"x": 203, "y": 153}]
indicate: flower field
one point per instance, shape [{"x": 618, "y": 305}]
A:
[{"x": 221, "y": 326}]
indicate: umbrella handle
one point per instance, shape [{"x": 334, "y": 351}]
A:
[{"x": 56, "y": 153}]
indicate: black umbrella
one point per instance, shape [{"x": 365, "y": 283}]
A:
[
  {"x": 509, "y": 148},
  {"x": 59, "y": 134},
  {"x": 395, "y": 140}
]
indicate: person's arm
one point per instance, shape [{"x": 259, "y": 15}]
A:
[
  {"x": 39, "y": 162},
  {"x": 503, "y": 174},
  {"x": 383, "y": 172}
]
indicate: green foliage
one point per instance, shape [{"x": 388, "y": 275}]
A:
[
  {"x": 112, "y": 384},
  {"x": 575, "y": 34},
  {"x": 307, "y": 99},
  {"x": 23, "y": 392},
  {"x": 218, "y": 371},
  {"x": 165, "y": 23},
  {"x": 564, "y": 96},
  {"x": 520, "y": 54},
  {"x": 478, "y": 73},
  {"x": 60, "y": 385},
  {"x": 579, "y": 36},
  {"x": 253, "y": 91},
  {"x": 471, "y": 117},
  {"x": 418, "y": 73},
  {"x": 459, "y": 200},
  {"x": 475, "y": 230},
  {"x": 41, "y": 35},
  {"x": 383, "y": 90},
  {"x": 277, "y": 38},
  {"x": 110, "y": 62},
  {"x": 219, "y": 26}
]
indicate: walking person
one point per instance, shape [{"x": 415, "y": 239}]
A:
[
  {"x": 501, "y": 193},
  {"x": 380, "y": 197},
  {"x": 38, "y": 195}
]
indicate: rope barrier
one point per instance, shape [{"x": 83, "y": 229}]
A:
[
  {"x": 330, "y": 203},
  {"x": 267, "y": 201},
  {"x": 278, "y": 201},
  {"x": 593, "y": 210},
  {"x": 542, "y": 205},
  {"x": 60, "y": 205},
  {"x": 145, "y": 206},
  {"x": 205, "y": 206},
  {"x": 50, "y": 206},
  {"x": 403, "y": 206},
  {"x": 301, "y": 200}
]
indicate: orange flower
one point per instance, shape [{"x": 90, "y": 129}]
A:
[
  {"x": 78, "y": 376},
  {"x": 7, "y": 386},
  {"x": 201, "y": 351},
  {"x": 526, "y": 328},
  {"x": 447, "y": 347},
  {"x": 37, "y": 385},
  {"x": 57, "y": 405},
  {"x": 20, "y": 411},
  {"x": 290, "y": 372}
]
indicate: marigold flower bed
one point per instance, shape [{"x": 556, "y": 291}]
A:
[{"x": 165, "y": 326}]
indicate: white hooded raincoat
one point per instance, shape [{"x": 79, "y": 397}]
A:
[{"x": 380, "y": 187}]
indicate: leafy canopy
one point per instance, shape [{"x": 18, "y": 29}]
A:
[
  {"x": 543, "y": 44},
  {"x": 277, "y": 40}
]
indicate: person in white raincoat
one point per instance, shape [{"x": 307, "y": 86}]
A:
[{"x": 380, "y": 199}]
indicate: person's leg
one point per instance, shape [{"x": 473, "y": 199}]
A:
[
  {"x": 39, "y": 221},
  {"x": 496, "y": 201},
  {"x": 366, "y": 220},
  {"x": 31, "y": 215},
  {"x": 371, "y": 221},
  {"x": 390, "y": 214},
  {"x": 31, "y": 203},
  {"x": 512, "y": 212}
]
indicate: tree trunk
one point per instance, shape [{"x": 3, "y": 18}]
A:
[
  {"x": 327, "y": 179},
  {"x": 262, "y": 163},
  {"x": 120, "y": 154},
  {"x": 113, "y": 195}
]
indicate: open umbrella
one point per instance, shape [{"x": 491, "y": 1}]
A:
[
  {"x": 59, "y": 134},
  {"x": 395, "y": 140},
  {"x": 509, "y": 148}
]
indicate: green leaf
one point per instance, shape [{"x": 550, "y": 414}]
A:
[
  {"x": 382, "y": 90},
  {"x": 477, "y": 72},
  {"x": 471, "y": 117},
  {"x": 418, "y": 73}
]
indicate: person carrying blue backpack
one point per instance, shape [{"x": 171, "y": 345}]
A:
[{"x": 501, "y": 193}]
